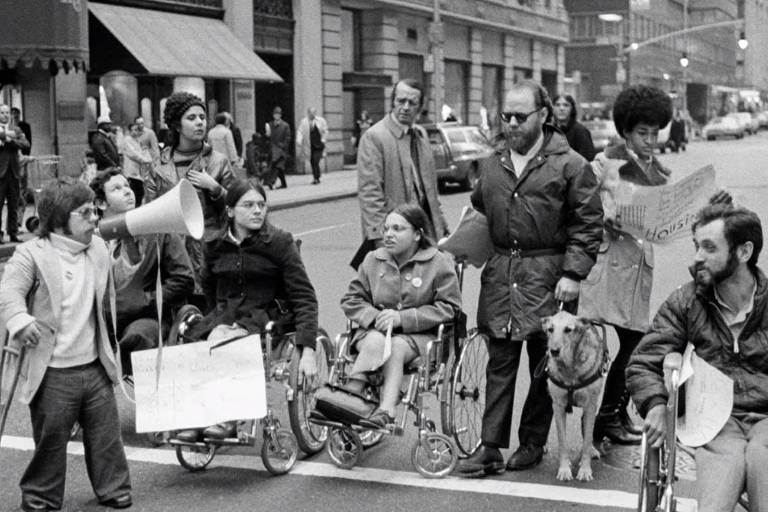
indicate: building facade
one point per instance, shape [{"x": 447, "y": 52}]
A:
[
  {"x": 349, "y": 53},
  {"x": 599, "y": 52}
]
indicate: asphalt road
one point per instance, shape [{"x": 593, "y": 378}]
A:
[{"x": 384, "y": 479}]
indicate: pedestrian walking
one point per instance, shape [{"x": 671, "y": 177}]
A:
[
  {"x": 545, "y": 220},
  {"x": 12, "y": 141},
  {"x": 395, "y": 166},
  {"x": 105, "y": 151},
  {"x": 137, "y": 162},
  {"x": 310, "y": 141},
  {"x": 147, "y": 139},
  {"x": 220, "y": 138},
  {"x": 564, "y": 117},
  {"x": 618, "y": 289},
  {"x": 279, "y": 134}
]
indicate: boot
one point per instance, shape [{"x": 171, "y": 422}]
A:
[
  {"x": 610, "y": 426},
  {"x": 485, "y": 461}
]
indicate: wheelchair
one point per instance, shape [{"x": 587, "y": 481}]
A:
[
  {"x": 434, "y": 454},
  {"x": 280, "y": 446},
  {"x": 657, "y": 465}
]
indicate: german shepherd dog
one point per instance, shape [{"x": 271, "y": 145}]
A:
[{"x": 576, "y": 366}]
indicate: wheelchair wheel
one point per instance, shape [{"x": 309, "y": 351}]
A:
[
  {"x": 279, "y": 451},
  {"x": 651, "y": 485},
  {"x": 434, "y": 455},
  {"x": 310, "y": 436},
  {"x": 344, "y": 447},
  {"x": 195, "y": 458},
  {"x": 371, "y": 438},
  {"x": 184, "y": 318},
  {"x": 463, "y": 400}
]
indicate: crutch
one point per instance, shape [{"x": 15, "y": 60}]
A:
[{"x": 7, "y": 355}]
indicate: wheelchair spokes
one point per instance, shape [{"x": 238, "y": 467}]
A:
[
  {"x": 433, "y": 455},
  {"x": 195, "y": 457},
  {"x": 279, "y": 450},
  {"x": 463, "y": 407},
  {"x": 344, "y": 447}
]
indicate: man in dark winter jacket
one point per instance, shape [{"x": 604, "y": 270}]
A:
[
  {"x": 545, "y": 219},
  {"x": 723, "y": 313}
]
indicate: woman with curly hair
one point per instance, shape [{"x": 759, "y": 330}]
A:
[
  {"x": 189, "y": 156},
  {"x": 564, "y": 117},
  {"x": 618, "y": 289}
]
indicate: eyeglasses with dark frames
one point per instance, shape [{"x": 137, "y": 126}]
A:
[{"x": 519, "y": 116}]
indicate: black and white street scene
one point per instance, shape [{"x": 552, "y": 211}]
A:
[{"x": 345, "y": 255}]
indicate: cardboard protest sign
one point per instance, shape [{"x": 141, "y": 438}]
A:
[{"x": 199, "y": 386}]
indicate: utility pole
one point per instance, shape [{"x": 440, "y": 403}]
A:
[{"x": 436, "y": 38}]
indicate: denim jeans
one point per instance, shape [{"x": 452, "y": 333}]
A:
[
  {"x": 737, "y": 458},
  {"x": 85, "y": 394}
]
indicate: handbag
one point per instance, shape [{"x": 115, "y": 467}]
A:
[{"x": 344, "y": 406}]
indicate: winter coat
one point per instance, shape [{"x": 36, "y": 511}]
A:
[
  {"x": 553, "y": 207},
  {"x": 690, "y": 315},
  {"x": 165, "y": 176},
  {"x": 104, "y": 151},
  {"x": 385, "y": 178},
  {"x": 618, "y": 289},
  {"x": 579, "y": 139},
  {"x": 32, "y": 286},
  {"x": 260, "y": 280},
  {"x": 424, "y": 289}
]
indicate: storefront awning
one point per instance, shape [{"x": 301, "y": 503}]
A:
[
  {"x": 50, "y": 33},
  {"x": 182, "y": 45}
]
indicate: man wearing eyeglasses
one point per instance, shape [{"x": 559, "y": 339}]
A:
[
  {"x": 52, "y": 302},
  {"x": 545, "y": 220},
  {"x": 395, "y": 166}
]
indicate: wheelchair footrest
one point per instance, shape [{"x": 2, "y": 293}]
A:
[{"x": 338, "y": 404}]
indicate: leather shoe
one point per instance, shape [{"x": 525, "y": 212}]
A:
[
  {"x": 29, "y": 504},
  {"x": 379, "y": 419},
  {"x": 221, "y": 430},
  {"x": 525, "y": 457},
  {"x": 188, "y": 436},
  {"x": 121, "y": 501},
  {"x": 613, "y": 429},
  {"x": 485, "y": 461},
  {"x": 628, "y": 423}
]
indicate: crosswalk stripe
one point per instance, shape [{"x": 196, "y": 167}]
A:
[{"x": 593, "y": 497}]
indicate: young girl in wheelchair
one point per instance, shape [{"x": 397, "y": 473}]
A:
[
  {"x": 407, "y": 286},
  {"x": 250, "y": 270}
]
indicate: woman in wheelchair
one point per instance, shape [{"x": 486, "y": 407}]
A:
[
  {"x": 251, "y": 269},
  {"x": 406, "y": 286}
]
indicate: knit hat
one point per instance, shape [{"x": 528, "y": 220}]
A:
[
  {"x": 178, "y": 103},
  {"x": 239, "y": 188}
]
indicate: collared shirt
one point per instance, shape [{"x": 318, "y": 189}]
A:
[
  {"x": 519, "y": 162},
  {"x": 405, "y": 128},
  {"x": 735, "y": 319}
]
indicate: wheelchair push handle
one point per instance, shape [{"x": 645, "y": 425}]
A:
[{"x": 673, "y": 361}]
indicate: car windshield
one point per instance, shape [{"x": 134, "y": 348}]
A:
[{"x": 466, "y": 140}]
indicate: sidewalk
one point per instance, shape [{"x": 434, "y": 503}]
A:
[{"x": 333, "y": 185}]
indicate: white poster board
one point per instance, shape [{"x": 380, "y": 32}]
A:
[
  {"x": 708, "y": 400},
  {"x": 199, "y": 387},
  {"x": 660, "y": 214}
]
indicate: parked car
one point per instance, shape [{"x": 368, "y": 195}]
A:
[
  {"x": 603, "y": 132},
  {"x": 745, "y": 120},
  {"x": 723, "y": 127},
  {"x": 762, "y": 119},
  {"x": 458, "y": 150}
]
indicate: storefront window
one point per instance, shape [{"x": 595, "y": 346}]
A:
[{"x": 492, "y": 91}]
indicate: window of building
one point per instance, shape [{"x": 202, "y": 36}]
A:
[
  {"x": 493, "y": 83},
  {"x": 457, "y": 88},
  {"x": 351, "y": 37}
]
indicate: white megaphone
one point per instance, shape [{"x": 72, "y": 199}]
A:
[{"x": 176, "y": 211}]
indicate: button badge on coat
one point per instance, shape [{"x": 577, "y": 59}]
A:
[{"x": 416, "y": 282}]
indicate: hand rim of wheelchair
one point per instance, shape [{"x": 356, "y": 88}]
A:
[
  {"x": 344, "y": 447},
  {"x": 310, "y": 436},
  {"x": 433, "y": 446},
  {"x": 279, "y": 451},
  {"x": 195, "y": 456},
  {"x": 454, "y": 386}
]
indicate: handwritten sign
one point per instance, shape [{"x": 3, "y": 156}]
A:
[
  {"x": 661, "y": 214},
  {"x": 198, "y": 387}
]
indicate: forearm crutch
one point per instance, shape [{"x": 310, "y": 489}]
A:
[{"x": 7, "y": 355}]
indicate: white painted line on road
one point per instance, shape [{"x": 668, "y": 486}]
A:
[
  {"x": 593, "y": 497},
  {"x": 320, "y": 230}
]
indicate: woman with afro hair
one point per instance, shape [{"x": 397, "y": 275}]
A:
[
  {"x": 618, "y": 289},
  {"x": 189, "y": 156}
]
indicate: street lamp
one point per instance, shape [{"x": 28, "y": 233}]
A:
[
  {"x": 743, "y": 43},
  {"x": 684, "y": 60},
  {"x": 612, "y": 17}
]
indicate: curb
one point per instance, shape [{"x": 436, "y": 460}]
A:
[{"x": 6, "y": 250}]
